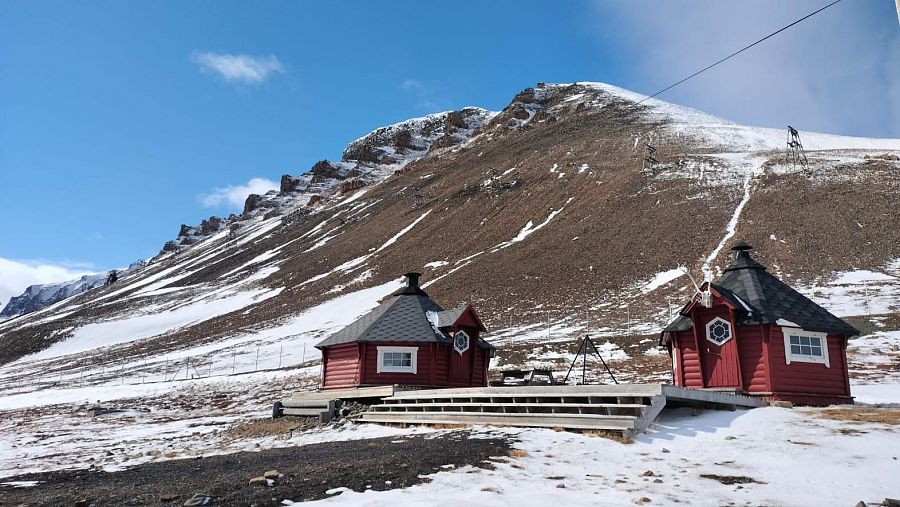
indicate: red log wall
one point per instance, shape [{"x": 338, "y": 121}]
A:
[
  {"x": 808, "y": 378},
  {"x": 341, "y": 366}
]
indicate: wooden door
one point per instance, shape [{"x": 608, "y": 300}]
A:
[{"x": 718, "y": 349}]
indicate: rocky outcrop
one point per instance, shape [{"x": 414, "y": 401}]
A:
[
  {"x": 352, "y": 184},
  {"x": 210, "y": 225},
  {"x": 289, "y": 184},
  {"x": 324, "y": 169}
]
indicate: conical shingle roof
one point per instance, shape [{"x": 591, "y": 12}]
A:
[{"x": 761, "y": 298}]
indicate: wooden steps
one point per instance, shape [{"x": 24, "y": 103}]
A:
[
  {"x": 629, "y": 408},
  {"x": 572, "y": 421}
]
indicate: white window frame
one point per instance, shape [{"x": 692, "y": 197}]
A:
[
  {"x": 790, "y": 357},
  {"x": 709, "y": 334},
  {"x": 468, "y": 341},
  {"x": 412, "y": 368}
]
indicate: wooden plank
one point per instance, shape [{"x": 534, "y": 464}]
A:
[
  {"x": 637, "y": 390},
  {"x": 656, "y": 406},
  {"x": 293, "y": 403},
  {"x": 345, "y": 393},
  {"x": 543, "y": 421},
  {"x": 304, "y": 412},
  {"x": 519, "y": 415},
  {"x": 500, "y": 404},
  {"x": 685, "y": 394}
]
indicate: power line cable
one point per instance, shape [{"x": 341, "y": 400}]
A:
[{"x": 739, "y": 51}]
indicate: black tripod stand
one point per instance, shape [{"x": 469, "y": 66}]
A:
[{"x": 583, "y": 350}]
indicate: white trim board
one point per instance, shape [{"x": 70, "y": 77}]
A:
[{"x": 412, "y": 368}]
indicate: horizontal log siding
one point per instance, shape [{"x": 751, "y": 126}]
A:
[
  {"x": 341, "y": 366},
  {"x": 423, "y": 366},
  {"x": 811, "y": 378},
  {"x": 691, "y": 376},
  {"x": 478, "y": 376},
  {"x": 753, "y": 361}
]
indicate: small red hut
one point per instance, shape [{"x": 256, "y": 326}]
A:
[
  {"x": 750, "y": 331},
  {"x": 408, "y": 340}
]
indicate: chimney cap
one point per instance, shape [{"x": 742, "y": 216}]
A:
[
  {"x": 412, "y": 286},
  {"x": 741, "y": 246},
  {"x": 412, "y": 278}
]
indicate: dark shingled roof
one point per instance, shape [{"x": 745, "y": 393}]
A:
[
  {"x": 402, "y": 318},
  {"x": 409, "y": 315},
  {"x": 447, "y": 318},
  {"x": 761, "y": 298}
]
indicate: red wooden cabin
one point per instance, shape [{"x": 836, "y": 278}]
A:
[
  {"x": 752, "y": 332},
  {"x": 408, "y": 340}
]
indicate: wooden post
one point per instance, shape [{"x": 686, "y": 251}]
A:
[
  {"x": 303, "y": 359},
  {"x": 233, "y": 358},
  {"x": 257, "y": 358},
  {"x": 280, "y": 352}
]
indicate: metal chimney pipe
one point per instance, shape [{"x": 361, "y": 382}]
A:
[{"x": 412, "y": 279}]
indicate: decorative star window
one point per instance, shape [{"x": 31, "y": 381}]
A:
[
  {"x": 460, "y": 341},
  {"x": 718, "y": 331}
]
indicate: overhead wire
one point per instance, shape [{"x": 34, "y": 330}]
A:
[{"x": 745, "y": 48}]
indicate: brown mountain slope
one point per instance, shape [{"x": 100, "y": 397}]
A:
[{"x": 542, "y": 212}]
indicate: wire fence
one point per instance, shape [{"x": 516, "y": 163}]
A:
[{"x": 236, "y": 361}]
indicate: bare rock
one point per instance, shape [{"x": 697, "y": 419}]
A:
[
  {"x": 252, "y": 202},
  {"x": 289, "y": 184},
  {"x": 456, "y": 119},
  {"x": 210, "y": 225},
  {"x": 520, "y": 113},
  {"x": 259, "y": 481}
]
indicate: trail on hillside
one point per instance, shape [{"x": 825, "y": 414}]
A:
[{"x": 754, "y": 165}]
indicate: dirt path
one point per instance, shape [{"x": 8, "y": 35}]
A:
[{"x": 307, "y": 473}]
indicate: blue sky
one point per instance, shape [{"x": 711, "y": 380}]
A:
[{"x": 121, "y": 120}]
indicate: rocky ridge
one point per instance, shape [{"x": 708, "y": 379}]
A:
[{"x": 544, "y": 215}]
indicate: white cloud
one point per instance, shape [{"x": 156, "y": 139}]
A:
[
  {"x": 244, "y": 69},
  {"x": 834, "y": 72},
  {"x": 16, "y": 276},
  {"x": 234, "y": 195},
  {"x": 425, "y": 95}
]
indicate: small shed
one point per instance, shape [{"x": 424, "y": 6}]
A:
[
  {"x": 751, "y": 332},
  {"x": 408, "y": 340}
]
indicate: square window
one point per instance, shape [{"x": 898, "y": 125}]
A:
[
  {"x": 397, "y": 359},
  {"x": 805, "y": 346}
]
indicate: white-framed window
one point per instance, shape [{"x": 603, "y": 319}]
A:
[
  {"x": 805, "y": 346},
  {"x": 397, "y": 359},
  {"x": 718, "y": 331},
  {"x": 461, "y": 341}
]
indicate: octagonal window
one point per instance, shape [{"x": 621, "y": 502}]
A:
[
  {"x": 461, "y": 342},
  {"x": 718, "y": 331}
]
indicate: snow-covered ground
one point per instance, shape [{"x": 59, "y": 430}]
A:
[
  {"x": 782, "y": 456},
  {"x": 859, "y": 292}
]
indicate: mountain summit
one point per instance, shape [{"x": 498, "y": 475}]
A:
[{"x": 571, "y": 209}]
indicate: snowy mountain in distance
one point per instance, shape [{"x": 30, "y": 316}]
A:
[
  {"x": 547, "y": 218},
  {"x": 544, "y": 215},
  {"x": 37, "y": 297}
]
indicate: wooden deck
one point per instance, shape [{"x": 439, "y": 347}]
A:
[{"x": 629, "y": 408}]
